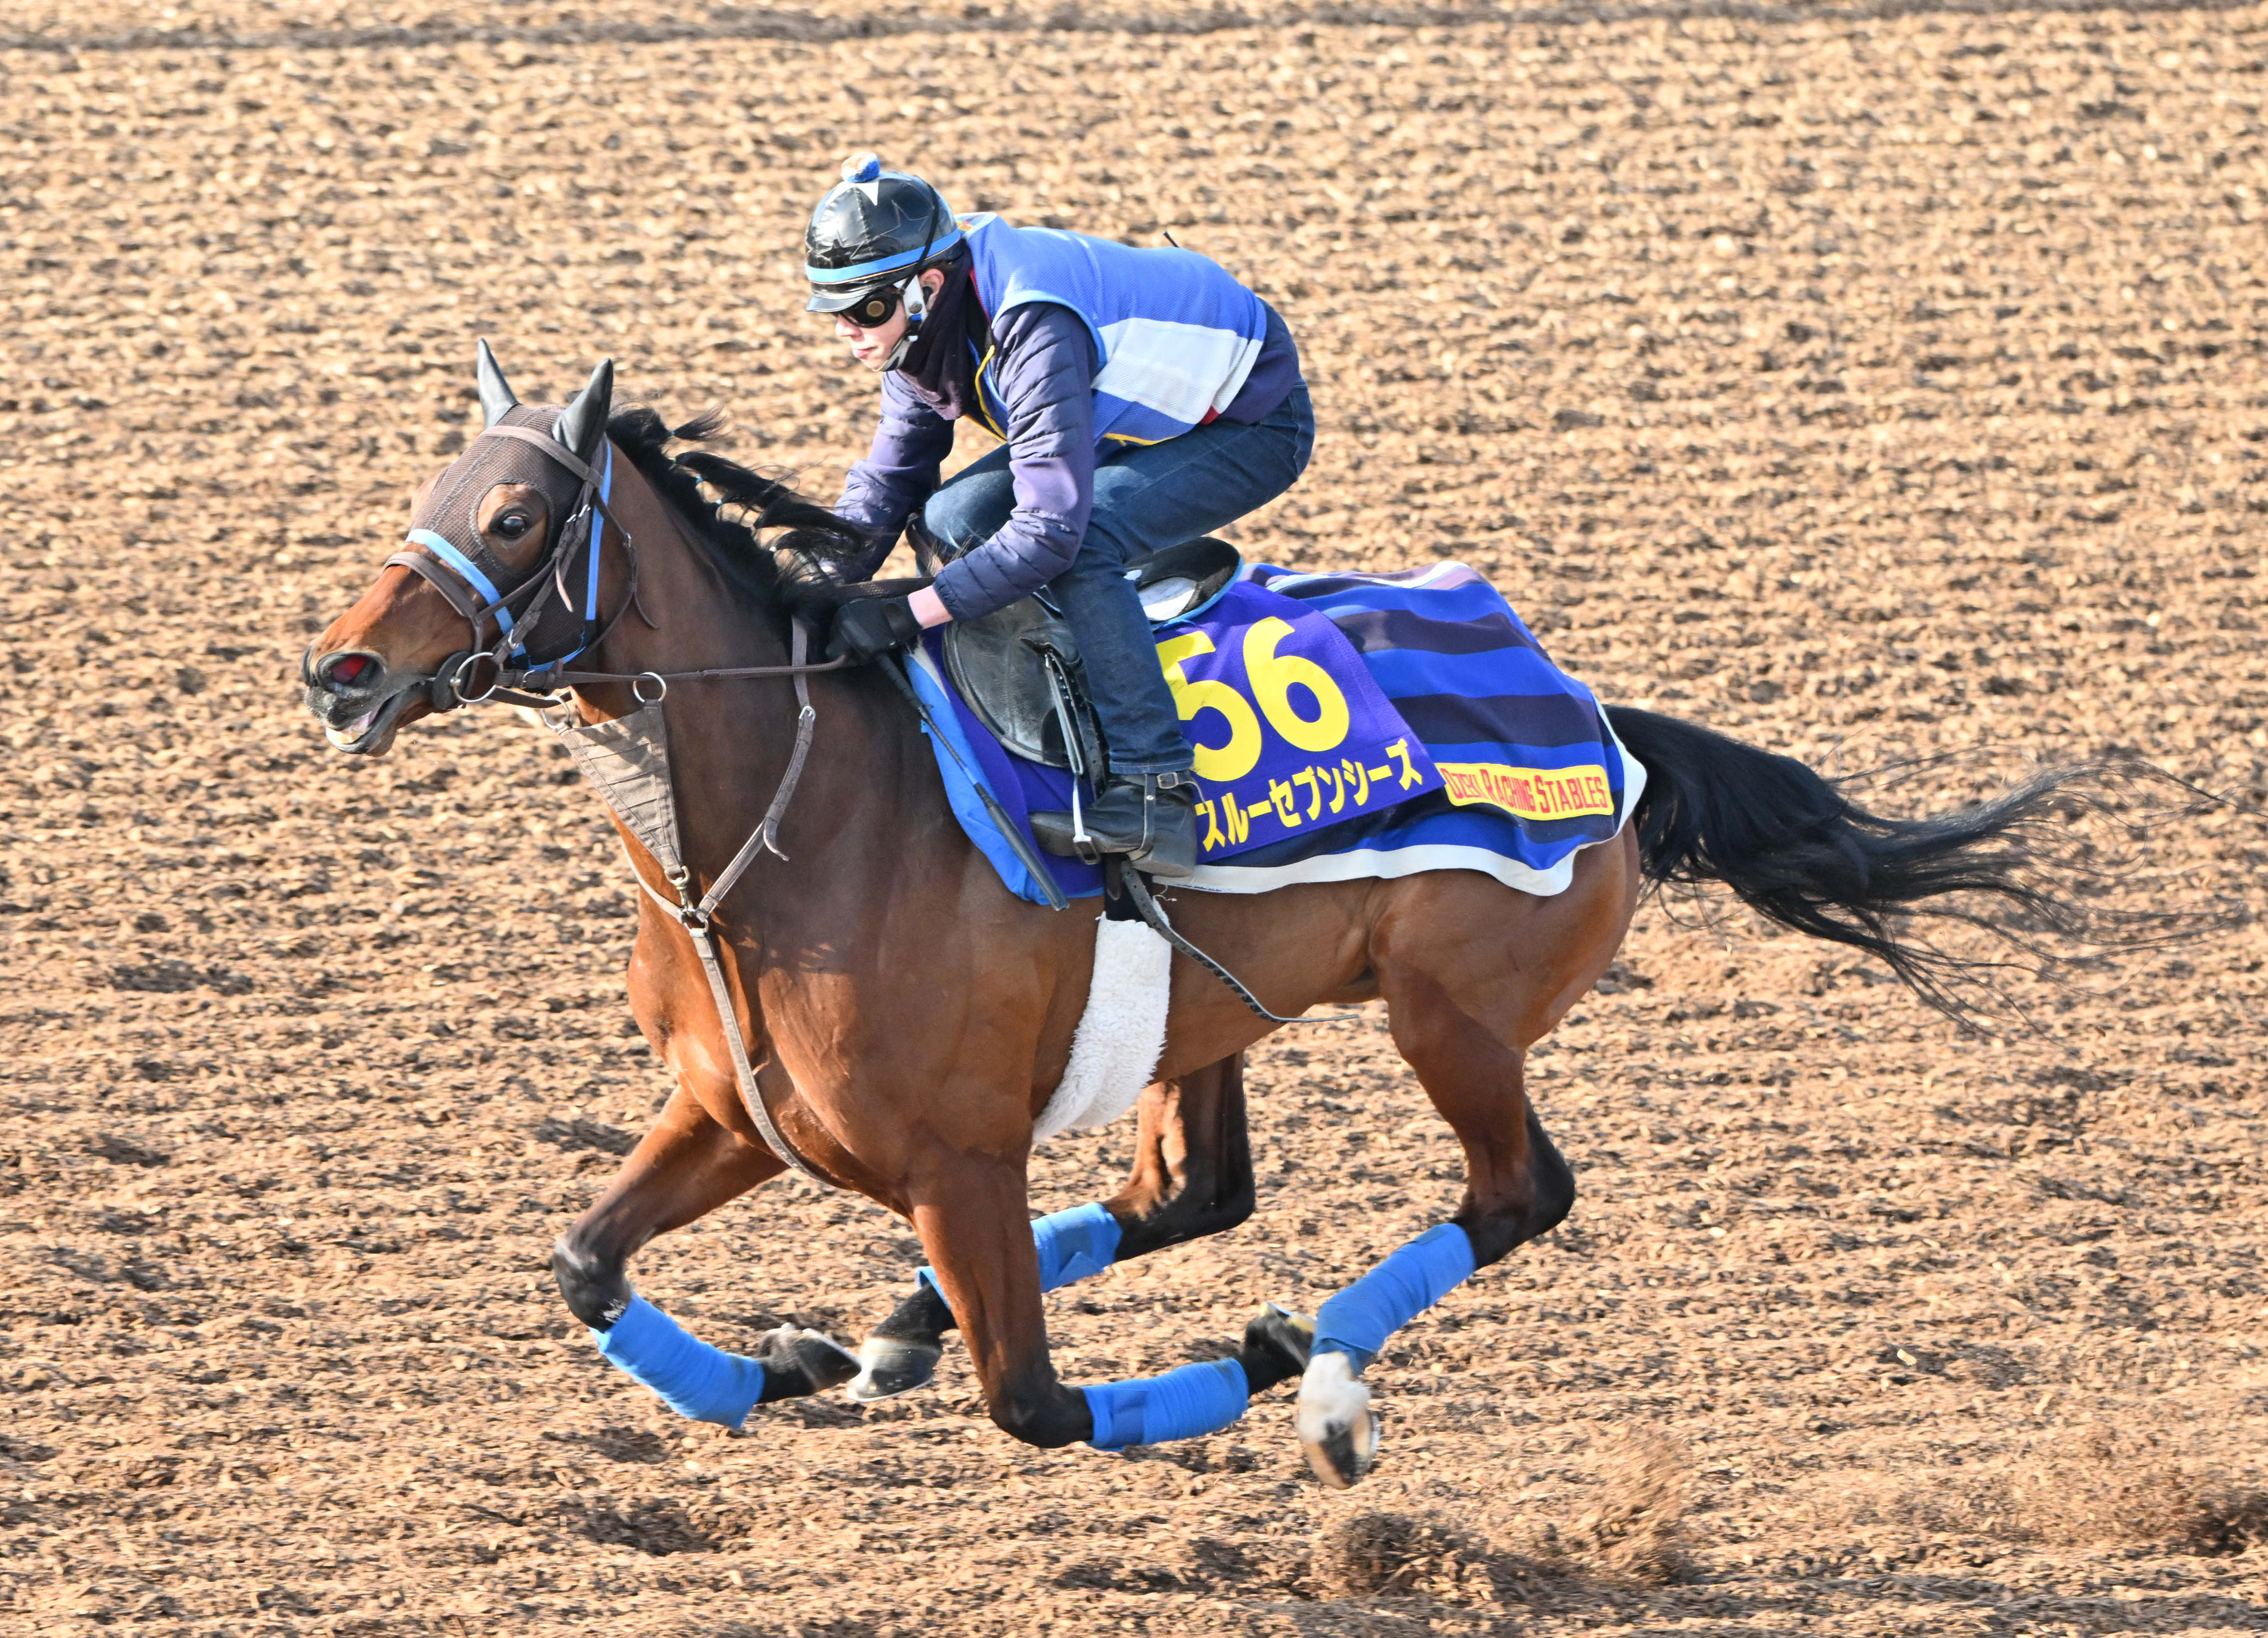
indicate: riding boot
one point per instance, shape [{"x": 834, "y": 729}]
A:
[{"x": 1150, "y": 819}]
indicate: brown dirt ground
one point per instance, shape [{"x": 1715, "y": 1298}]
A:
[{"x": 1871, "y": 384}]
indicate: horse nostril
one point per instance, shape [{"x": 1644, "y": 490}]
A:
[{"x": 345, "y": 671}]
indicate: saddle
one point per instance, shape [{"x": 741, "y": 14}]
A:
[{"x": 1019, "y": 667}]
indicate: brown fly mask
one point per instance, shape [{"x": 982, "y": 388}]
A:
[{"x": 513, "y": 535}]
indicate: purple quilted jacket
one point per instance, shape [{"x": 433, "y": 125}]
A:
[{"x": 1042, "y": 367}]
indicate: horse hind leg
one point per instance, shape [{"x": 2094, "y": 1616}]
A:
[
  {"x": 1337, "y": 1427},
  {"x": 1192, "y": 1177},
  {"x": 1463, "y": 1010},
  {"x": 686, "y": 1166}
]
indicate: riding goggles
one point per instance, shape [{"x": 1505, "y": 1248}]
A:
[{"x": 871, "y": 309}]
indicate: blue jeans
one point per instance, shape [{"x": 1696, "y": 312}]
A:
[{"x": 1147, "y": 496}]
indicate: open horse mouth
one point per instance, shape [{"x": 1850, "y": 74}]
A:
[
  {"x": 358, "y": 719},
  {"x": 372, "y": 733}
]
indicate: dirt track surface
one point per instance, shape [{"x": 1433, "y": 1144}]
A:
[{"x": 1870, "y": 387}]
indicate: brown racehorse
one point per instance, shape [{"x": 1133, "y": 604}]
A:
[{"x": 907, "y": 1018}]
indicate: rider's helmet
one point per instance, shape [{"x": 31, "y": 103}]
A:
[{"x": 869, "y": 240}]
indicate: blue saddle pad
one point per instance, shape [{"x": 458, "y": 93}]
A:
[{"x": 1346, "y": 726}]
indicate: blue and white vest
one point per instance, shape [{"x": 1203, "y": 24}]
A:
[{"x": 1175, "y": 334}]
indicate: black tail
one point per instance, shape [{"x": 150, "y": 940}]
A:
[{"x": 1796, "y": 850}]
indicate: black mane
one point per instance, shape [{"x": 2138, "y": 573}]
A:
[{"x": 790, "y": 570}]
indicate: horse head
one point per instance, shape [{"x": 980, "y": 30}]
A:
[{"x": 492, "y": 538}]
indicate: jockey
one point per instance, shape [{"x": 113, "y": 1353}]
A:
[{"x": 1143, "y": 398}]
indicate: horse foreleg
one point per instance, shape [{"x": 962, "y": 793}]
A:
[
  {"x": 986, "y": 1267},
  {"x": 1192, "y": 1177},
  {"x": 686, "y": 1166},
  {"x": 972, "y": 1224}
]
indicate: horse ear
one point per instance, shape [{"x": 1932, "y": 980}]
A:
[
  {"x": 583, "y": 427},
  {"x": 496, "y": 391}
]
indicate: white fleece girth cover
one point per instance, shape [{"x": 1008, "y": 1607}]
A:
[{"x": 1121, "y": 1035}]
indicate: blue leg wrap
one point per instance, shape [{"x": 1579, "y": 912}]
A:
[
  {"x": 693, "y": 1378},
  {"x": 1073, "y": 1244},
  {"x": 1180, "y": 1405},
  {"x": 1359, "y": 1319}
]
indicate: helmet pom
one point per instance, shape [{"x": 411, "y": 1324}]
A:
[{"x": 862, "y": 167}]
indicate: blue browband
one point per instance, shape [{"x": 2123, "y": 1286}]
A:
[
  {"x": 446, "y": 550},
  {"x": 442, "y": 548}
]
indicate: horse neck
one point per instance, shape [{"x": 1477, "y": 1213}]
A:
[
  {"x": 686, "y": 615},
  {"x": 731, "y": 741}
]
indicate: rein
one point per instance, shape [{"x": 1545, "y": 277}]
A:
[{"x": 552, "y": 676}]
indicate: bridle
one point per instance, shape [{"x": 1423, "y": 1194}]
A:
[
  {"x": 475, "y": 597},
  {"x": 518, "y": 609}
]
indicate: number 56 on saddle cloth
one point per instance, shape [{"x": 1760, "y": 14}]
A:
[{"x": 1346, "y": 725}]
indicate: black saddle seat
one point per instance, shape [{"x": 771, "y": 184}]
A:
[{"x": 998, "y": 661}]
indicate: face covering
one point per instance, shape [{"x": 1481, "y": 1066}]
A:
[{"x": 939, "y": 363}]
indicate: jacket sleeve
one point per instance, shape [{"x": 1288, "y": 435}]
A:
[
  {"x": 897, "y": 475},
  {"x": 1044, "y": 365}
]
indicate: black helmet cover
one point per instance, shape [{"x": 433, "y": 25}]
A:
[{"x": 874, "y": 226}]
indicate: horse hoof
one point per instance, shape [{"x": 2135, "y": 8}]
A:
[
  {"x": 1277, "y": 1345},
  {"x": 1337, "y": 1428},
  {"x": 888, "y": 1367},
  {"x": 798, "y": 1361}
]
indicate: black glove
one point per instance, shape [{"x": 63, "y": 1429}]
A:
[{"x": 868, "y": 627}]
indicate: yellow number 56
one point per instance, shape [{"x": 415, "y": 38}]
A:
[{"x": 1273, "y": 677}]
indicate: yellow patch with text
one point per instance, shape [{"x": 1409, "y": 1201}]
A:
[{"x": 1530, "y": 793}]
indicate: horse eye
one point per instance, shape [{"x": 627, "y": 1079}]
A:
[{"x": 512, "y": 525}]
